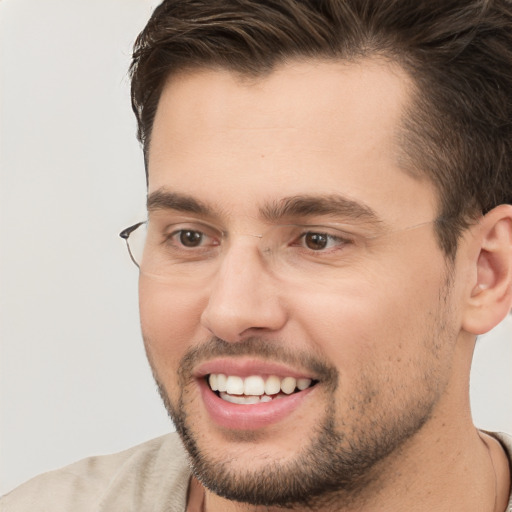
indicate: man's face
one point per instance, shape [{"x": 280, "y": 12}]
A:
[{"x": 313, "y": 143}]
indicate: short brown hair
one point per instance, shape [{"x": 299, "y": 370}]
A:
[{"x": 458, "y": 53}]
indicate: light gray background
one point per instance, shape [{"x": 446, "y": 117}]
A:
[{"x": 73, "y": 376}]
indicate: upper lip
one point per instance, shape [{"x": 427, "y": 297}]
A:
[{"x": 245, "y": 367}]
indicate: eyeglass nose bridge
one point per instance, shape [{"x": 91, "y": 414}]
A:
[
  {"x": 254, "y": 235},
  {"x": 265, "y": 250}
]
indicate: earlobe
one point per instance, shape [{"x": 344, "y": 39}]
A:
[{"x": 490, "y": 298}]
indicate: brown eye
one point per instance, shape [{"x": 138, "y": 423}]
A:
[
  {"x": 316, "y": 241},
  {"x": 190, "y": 238}
]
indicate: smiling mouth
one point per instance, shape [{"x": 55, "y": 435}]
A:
[{"x": 255, "y": 389}]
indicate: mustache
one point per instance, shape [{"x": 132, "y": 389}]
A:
[{"x": 270, "y": 350}]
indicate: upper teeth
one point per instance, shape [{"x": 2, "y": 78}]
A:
[{"x": 256, "y": 385}]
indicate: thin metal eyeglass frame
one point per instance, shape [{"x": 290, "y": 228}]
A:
[{"x": 125, "y": 234}]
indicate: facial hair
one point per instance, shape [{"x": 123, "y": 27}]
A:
[{"x": 337, "y": 465}]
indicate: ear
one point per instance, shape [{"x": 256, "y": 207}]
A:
[{"x": 491, "y": 296}]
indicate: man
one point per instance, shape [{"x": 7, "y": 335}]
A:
[{"x": 329, "y": 230}]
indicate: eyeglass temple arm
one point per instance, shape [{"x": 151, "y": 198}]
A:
[
  {"x": 125, "y": 234},
  {"x": 128, "y": 231}
]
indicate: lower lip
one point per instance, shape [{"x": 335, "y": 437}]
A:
[{"x": 250, "y": 416}]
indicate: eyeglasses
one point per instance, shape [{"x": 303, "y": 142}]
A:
[{"x": 192, "y": 251}]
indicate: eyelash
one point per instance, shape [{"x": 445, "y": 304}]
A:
[
  {"x": 330, "y": 238},
  {"x": 299, "y": 241},
  {"x": 176, "y": 234}
]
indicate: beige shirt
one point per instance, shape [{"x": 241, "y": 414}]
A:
[{"x": 151, "y": 477}]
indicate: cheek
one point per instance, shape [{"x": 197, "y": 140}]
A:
[
  {"x": 385, "y": 347},
  {"x": 170, "y": 323},
  {"x": 381, "y": 318}
]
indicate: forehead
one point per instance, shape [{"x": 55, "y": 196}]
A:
[{"x": 307, "y": 127}]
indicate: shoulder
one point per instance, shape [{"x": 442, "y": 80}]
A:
[
  {"x": 506, "y": 442},
  {"x": 151, "y": 476}
]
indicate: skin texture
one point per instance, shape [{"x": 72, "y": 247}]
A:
[{"x": 388, "y": 426}]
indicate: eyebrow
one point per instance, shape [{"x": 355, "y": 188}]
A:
[
  {"x": 302, "y": 206},
  {"x": 166, "y": 200},
  {"x": 332, "y": 205}
]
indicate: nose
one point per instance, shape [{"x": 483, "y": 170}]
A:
[{"x": 244, "y": 297}]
